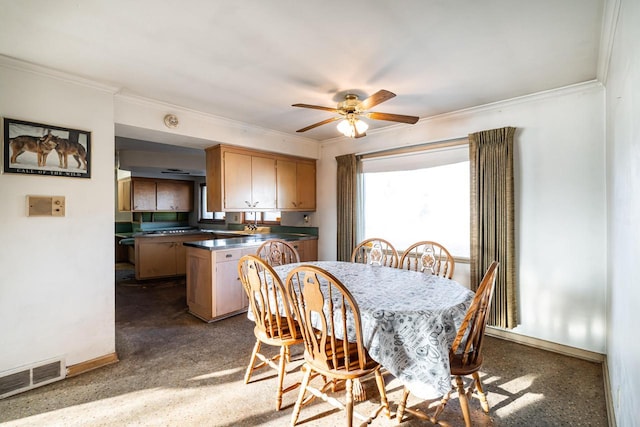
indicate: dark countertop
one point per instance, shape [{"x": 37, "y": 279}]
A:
[
  {"x": 248, "y": 240},
  {"x": 128, "y": 238},
  {"x": 220, "y": 239}
]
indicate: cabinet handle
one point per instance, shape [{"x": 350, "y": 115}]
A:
[
  {"x": 295, "y": 205},
  {"x": 229, "y": 255}
]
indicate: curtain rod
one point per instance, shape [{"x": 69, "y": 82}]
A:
[{"x": 414, "y": 148}]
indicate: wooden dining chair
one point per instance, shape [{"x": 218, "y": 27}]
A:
[
  {"x": 428, "y": 257},
  {"x": 375, "y": 251},
  {"x": 465, "y": 356},
  {"x": 274, "y": 323},
  {"x": 325, "y": 309},
  {"x": 277, "y": 252}
]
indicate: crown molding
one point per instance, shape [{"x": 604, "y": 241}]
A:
[
  {"x": 546, "y": 94},
  {"x": 30, "y": 67},
  {"x": 551, "y": 93},
  {"x": 610, "y": 16},
  {"x": 209, "y": 118}
]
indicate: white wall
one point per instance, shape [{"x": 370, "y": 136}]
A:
[
  {"x": 623, "y": 200},
  {"x": 560, "y": 203},
  {"x": 56, "y": 286},
  {"x": 139, "y": 118}
]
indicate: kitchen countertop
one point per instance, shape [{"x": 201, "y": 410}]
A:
[
  {"x": 218, "y": 239},
  {"x": 248, "y": 240}
]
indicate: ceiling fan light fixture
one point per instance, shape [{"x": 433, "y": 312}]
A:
[{"x": 351, "y": 127}]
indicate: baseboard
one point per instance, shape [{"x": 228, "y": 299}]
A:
[
  {"x": 608, "y": 396},
  {"x": 89, "y": 365},
  {"x": 579, "y": 353}
]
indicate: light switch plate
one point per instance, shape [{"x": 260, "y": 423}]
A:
[{"x": 45, "y": 205}]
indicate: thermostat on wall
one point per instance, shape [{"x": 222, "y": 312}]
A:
[{"x": 45, "y": 205}]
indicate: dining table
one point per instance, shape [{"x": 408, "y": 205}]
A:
[{"x": 409, "y": 319}]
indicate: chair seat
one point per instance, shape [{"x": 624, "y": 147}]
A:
[
  {"x": 460, "y": 369},
  {"x": 283, "y": 336},
  {"x": 341, "y": 371}
]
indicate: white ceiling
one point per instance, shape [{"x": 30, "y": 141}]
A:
[{"x": 249, "y": 60}]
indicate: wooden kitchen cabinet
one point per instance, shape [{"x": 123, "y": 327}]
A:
[
  {"x": 296, "y": 185},
  {"x": 307, "y": 249},
  {"x": 155, "y": 259},
  {"x": 143, "y": 195},
  {"x": 162, "y": 256},
  {"x": 245, "y": 180},
  {"x": 214, "y": 290},
  {"x": 249, "y": 182},
  {"x": 124, "y": 195},
  {"x": 174, "y": 196},
  {"x": 155, "y": 195}
]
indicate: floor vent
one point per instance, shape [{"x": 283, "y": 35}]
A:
[{"x": 28, "y": 377}]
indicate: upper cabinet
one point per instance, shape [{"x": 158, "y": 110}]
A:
[
  {"x": 174, "y": 196},
  {"x": 249, "y": 182},
  {"x": 296, "y": 183},
  {"x": 240, "y": 180},
  {"x": 155, "y": 195}
]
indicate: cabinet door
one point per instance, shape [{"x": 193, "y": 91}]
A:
[
  {"x": 228, "y": 293},
  {"x": 143, "y": 195},
  {"x": 155, "y": 259},
  {"x": 286, "y": 184},
  {"x": 215, "y": 179},
  {"x": 174, "y": 196},
  {"x": 199, "y": 283},
  {"x": 263, "y": 182},
  {"x": 237, "y": 181},
  {"x": 307, "y": 249},
  {"x": 124, "y": 195},
  {"x": 306, "y": 186}
]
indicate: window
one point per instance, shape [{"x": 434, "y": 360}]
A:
[
  {"x": 220, "y": 217},
  {"x": 419, "y": 196},
  {"x": 263, "y": 217},
  {"x": 216, "y": 217}
]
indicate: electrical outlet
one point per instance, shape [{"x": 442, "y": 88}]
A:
[{"x": 306, "y": 219}]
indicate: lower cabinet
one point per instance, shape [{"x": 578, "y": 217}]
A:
[
  {"x": 307, "y": 249},
  {"x": 214, "y": 290},
  {"x": 162, "y": 256}
]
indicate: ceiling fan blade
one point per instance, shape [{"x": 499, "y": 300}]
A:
[
  {"x": 375, "y": 99},
  {"x": 315, "y": 125},
  {"x": 393, "y": 117},
  {"x": 317, "y": 107}
]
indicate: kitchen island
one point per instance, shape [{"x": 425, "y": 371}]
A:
[{"x": 214, "y": 291}]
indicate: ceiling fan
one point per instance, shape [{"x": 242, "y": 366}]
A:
[{"x": 351, "y": 110}]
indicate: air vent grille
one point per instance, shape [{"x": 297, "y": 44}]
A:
[
  {"x": 46, "y": 372},
  {"x": 28, "y": 377},
  {"x": 16, "y": 381}
]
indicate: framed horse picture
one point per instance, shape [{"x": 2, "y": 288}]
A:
[{"x": 28, "y": 146}]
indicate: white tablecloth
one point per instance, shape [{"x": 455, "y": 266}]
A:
[{"x": 409, "y": 320}]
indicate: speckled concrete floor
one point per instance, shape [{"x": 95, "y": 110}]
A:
[{"x": 176, "y": 370}]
